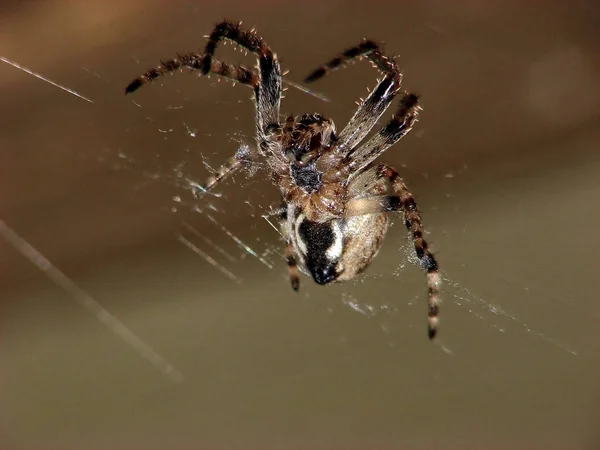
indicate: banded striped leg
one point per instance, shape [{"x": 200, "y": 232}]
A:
[
  {"x": 281, "y": 213},
  {"x": 401, "y": 123},
  {"x": 371, "y": 109},
  {"x": 195, "y": 61},
  {"x": 292, "y": 266},
  {"x": 268, "y": 92},
  {"x": 405, "y": 202}
]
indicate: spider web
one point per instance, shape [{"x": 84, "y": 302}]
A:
[
  {"x": 200, "y": 216},
  {"x": 268, "y": 254},
  {"x": 191, "y": 329}
]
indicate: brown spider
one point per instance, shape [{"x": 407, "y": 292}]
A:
[{"x": 335, "y": 199}]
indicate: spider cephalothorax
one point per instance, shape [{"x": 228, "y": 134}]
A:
[
  {"x": 335, "y": 199},
  {"x": 310, "y": 176}
]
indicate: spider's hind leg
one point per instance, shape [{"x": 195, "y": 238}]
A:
[
  {"x": 292, "y": 266},
  {"x": 290, "y": 256},
  {"x": 403, "y": 200}
]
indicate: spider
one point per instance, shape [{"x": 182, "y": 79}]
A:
[{"x": 335, "y": 198}]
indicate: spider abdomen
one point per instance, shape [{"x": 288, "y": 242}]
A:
[
  {"x": 363, "y": 237},
  {"x": 337, "y": 249}
]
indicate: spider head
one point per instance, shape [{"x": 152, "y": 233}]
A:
[
  {"x": 320, "y": 246},
  {"x": 310, "y": 136}
]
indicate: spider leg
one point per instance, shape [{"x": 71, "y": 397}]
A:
[
  {"x": 281, "y": 213},
  {"x": 371, "y": 109},
  {"x": 292, "y": 266},
  {"x": 231, "y": 166},
  {"x": 400, "y": 124},
  {"x": 194, "y": 61},
  {"x": 241, "y": 159},
  {"x": 268, "y": 92},
  {"x": 404, "y": 201}
]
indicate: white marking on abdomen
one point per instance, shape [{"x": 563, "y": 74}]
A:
[{"x": 335, "y": 250}]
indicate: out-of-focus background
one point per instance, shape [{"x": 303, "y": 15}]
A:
[{"x": 136, "y": 316}]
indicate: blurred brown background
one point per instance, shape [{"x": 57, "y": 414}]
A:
[{"x": 504, "y": 163}]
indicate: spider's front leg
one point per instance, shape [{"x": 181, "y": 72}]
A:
[
  {"x": 401, "y": 123},
  {"x": 268, "y": 91},
  {"x": 194, "y": 61},
  {"x": 371, "y": 109},
  {"x": 404, "y": 201}
]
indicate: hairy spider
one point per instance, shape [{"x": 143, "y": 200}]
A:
[{"x": 335, "y": 199}]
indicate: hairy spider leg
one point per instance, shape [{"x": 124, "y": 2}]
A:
[
  {"x": 401, "y": 123},
  {"x": 404, "y": 201},
  {"x": 267, "y": 85},
  {"x": 290, "y": 256},
  {"x": 230, "y": 166},
  {"x": 268, "y": 92},
  {"x": 371, "y": 109},
  {"x": 292, "y": 266},
  {"x": 195, "y": 61}
]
